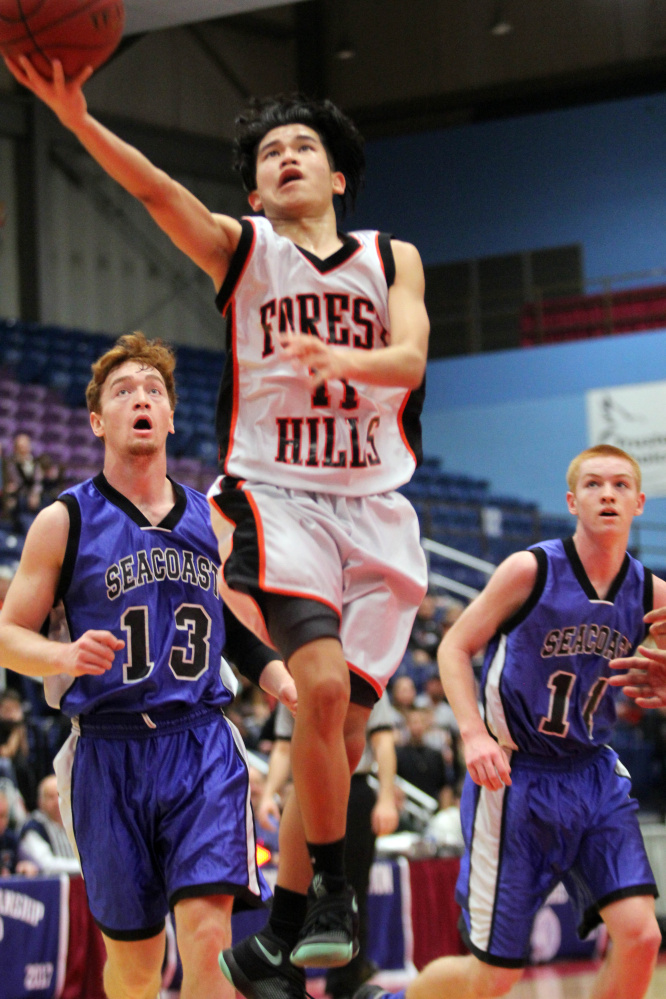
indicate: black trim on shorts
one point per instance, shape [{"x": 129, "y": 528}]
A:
[
  {"x": 592, "y": 916},
  {"x": 129, "y": 935},
  {"x": 498, "y": 962},
  {"x": 293, "y": 622},
  {"x": 242, "y": 896},
  {"x": 362, "y": 693}
]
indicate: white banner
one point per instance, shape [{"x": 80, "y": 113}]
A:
[{"x": 633, "y": 417}]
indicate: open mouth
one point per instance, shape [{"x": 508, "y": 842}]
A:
[
  {"x": 143, "y": 423},
  {"x": 608, "y": 513},
  {"x": 290, "y": 175}
]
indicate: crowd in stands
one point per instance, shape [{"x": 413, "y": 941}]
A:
[{"x": 428, "y": 749}]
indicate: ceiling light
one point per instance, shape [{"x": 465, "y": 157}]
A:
[
  {"x": 501, "y": 26},
  {"x": 345, "y": 50}
]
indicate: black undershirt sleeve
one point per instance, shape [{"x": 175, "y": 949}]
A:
[{"x": 245, "y": 650}]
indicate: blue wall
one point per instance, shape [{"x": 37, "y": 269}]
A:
[
  {"x": 517, "y": 417},
  {"x": 594, "y": 175}
]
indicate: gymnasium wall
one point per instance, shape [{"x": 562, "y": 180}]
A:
[
  {"x": 517, "y": 417},
  {"x": 592, "y": 175}
]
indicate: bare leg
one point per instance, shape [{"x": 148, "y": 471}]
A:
[
  {"x": 294, "y": 870},
  {"x": 635, "y": 941},
  {"x": 203, "y": 928},
  {"x": 318, "y": 755},
  {"x": 133, "y": 969},
  {"x": 462, "y": 978}
]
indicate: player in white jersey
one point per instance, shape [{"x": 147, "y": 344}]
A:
[{"x": 359, "y": 571}]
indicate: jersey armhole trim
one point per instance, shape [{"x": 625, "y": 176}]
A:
[
  {"x": 648, "y": 592},
  {"x": 535, "y": 595},
  {"x": 238, "y": 261},
  {"x": 72, "y": 548},
  {"x": 385, "y": 251}
]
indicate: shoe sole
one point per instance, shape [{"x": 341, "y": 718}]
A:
[{"x": 322, "y": 955}]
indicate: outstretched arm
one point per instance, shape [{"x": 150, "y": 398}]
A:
[
  {"x": 207, "y": 239},
  {"x": 403, "y": 362},
  {"x": 29, "y": 601},
  {"x": 505, "y": 592}
]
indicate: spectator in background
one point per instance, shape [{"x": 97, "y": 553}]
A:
[
  {"x": 43, "y": 838},
  {"x": 434, "y": 700},
  {"x": 14, "y": 747},
  {"x": 420, "y": 764},
  {"x": 9, "y": 862},
  {"x": 53, "y": 478},
  {"x": 22, "y": 478},
  {"x": 402, "y": 693},
  {"x": 427, "y": 629}
]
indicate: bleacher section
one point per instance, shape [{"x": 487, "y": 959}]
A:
[
  {"x": 44, "y": 371},
  {"x": 461, "y": 512},
  {"x": 43, "y": 377}
]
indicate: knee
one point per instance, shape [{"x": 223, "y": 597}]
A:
[
  {"x": 326, "y": 700},
  {"x": 502, "y": 980},
  {"x": 131, "y": 981},
  {"x": 641, "y": 941}
]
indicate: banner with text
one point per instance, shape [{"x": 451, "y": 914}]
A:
[
  {"x": 633, "y": 417},
  {"x": 34, "y": 931}
]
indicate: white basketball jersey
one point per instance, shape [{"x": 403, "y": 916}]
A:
[{"x": 352, "y": 439}]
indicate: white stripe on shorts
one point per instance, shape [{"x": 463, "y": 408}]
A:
[{"x": 484, "y": 865}]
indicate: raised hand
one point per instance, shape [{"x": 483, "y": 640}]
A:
[{"x": 64, "y": 97}]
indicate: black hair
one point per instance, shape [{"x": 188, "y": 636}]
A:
[{"x": 341, "y": 138}]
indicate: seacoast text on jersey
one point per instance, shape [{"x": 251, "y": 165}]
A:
[
  {"x": 145, "y": 567},
  {"x": 585, "y": 639}
]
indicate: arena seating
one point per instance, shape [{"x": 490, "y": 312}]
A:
[{"x": 44, "y": 371}]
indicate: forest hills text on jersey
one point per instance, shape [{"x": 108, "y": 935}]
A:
[
  {"x": 158, "y": 564},
  {"x": 585, "y": 639}
]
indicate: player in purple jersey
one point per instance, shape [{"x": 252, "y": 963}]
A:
[
  {"x": 153, "y": 781},
  {"x": 328, "y": 567},
  {"x": 545, "y": 801}
]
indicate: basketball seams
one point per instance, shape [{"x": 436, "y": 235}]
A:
[
  {"x": 77, "y": 32},
  {"x": 24, "y": 19}
]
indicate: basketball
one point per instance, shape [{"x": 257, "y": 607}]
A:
[{"x": 78, "y": 32}]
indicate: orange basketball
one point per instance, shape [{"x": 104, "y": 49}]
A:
[{"x": 78, "y": 32}]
